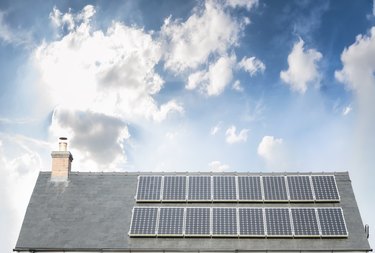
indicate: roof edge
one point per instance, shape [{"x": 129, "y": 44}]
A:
[{"x": 133, "y": 173}]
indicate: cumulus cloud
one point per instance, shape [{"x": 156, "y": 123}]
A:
[
  {"x": 248, "y": 4},
  {"x": 303, "y": 68},
  {"x": 94, "y": 136},
  {"x": 119, "y": 79},
  {"x": 70, "y": 20},
  {"x": 215, "y": 80},
  {"x": 272, "y": 150},
  {"x": 357, "y": 74},
  {"x": 231, "y": 135},
  {"x": 206, "y": 32},
  {"x": 217, "y": 166},
  {"x": 252, "y": 65},
  {"x": 207, "y": 38}
]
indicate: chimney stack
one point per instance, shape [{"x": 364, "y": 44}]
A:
[{"x": 61, "y": 161}]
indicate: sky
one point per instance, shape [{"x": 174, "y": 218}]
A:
[{"x": 216, "y": 85}]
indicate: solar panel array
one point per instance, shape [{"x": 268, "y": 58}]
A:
[
  {"x": 238, "y": 222},
  {"x": 298, "y": 188}
]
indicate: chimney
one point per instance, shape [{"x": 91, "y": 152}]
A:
[{"x": 61, "y": 162}]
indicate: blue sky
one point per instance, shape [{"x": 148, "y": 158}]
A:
[{"x": 217, "y": 85}]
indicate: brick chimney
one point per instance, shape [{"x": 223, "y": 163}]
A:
[{"x": 61, "y": 161}]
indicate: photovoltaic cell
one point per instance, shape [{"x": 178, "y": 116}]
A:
[
  {"x": 224, "y": 188},
  {"x": 274, "y": 188},
  {"x": 224, "y": 222},
  {"x": 251, "y": 222},
  {"x": 278, "y": 222},
  {"x": 332, "y": 223},
  {"x": 174, "y": 188},
  {"x": 249, "y": 189},
  {"x": 197, "y": 221},
  {"x": 304, "y": 222},
  {"x": 171, "y": 221},
  {"x": 199, "y": 188},
  {"x": 300, "y": 188},
  {"x": 325, "y": 188},
  {"x": 148, "y": 188},
  {"x": 143, "y": 221}
]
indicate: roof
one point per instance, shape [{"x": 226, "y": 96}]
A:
[{"x": 92, "y": 212}]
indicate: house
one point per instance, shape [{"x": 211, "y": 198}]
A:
[{"x": 190, "y": 212}]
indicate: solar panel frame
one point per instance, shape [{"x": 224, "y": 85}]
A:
[
  {"x": 245, "y": 193},
  {"x": 155, "y": 193},
  {"x": 319, "y": 194},
  {"x": 191, "y": 189},
  {"x": 217, "y": 226},
  {"x": 325, "y": 229},
  {"x": 272, "y": 191},
  {"x": 299, "y": 222},
  {"x": 171, "y": 190},
  {"x": 243, "y": 220},
  {"x": 187, "y": 225},
  {"x": 279, "y": 223},
  {"x": 299, "y": 190},
  {"x": 220, "y": 192},
  {"x": 132, "y": 224},
  {"x": 162, "y": 230}
]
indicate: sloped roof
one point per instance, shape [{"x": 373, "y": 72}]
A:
[{"x": 92, "y": 212}]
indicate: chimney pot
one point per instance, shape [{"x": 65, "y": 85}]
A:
[{"x": 63, "y": 145}]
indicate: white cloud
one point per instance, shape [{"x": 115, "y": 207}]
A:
[
  {"x": 70, "y": 20},
  {"x": 252, "y": 65},
  {"x": 215, "y": 80},
  {"x": 217, "y": 166},
  {"x": 119, "y": 79},
  {"x": 214, "y": 130},
  {"x": 93, "y": 136},
  {"x": 347, "y": 110},
  {"x": 232, "y": 137},
  {"x": 237, "y": 86},
  {"x": 208, "y": 31},
  {"x": 272, "y": 150},
  {"x": 303, "y": 69},
  {"x": 20, "y": 164},
  {"x": 357, "y": 74},
  {"x": 248, "y": 4},
  {"x": 12, "y": 36}
]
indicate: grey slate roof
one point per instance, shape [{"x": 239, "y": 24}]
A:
[{"x": 92, "y": 212}]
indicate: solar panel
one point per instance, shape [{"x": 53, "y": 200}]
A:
[
  {"x": 304, "y": 222},
  {"x": 224, "y": 222},
  {"x": 300, "y": 188},
  {"x": 251, "y": 222},
  {"x": 197, "y": 221},
  {"x": 148, "y": 189},
  {"x": 143, "y": 221},
  {"x": 174, "y": 188},
  {"x": 278, "y": 222},
  {"x": 199, "y": 188},
  {"x": 249, "y": 189},
  {"x": 171, "y": 221},
  {"x": 332, "y": 223},
  {"x": 325, "y": 188},
  {"x": 274, "y": 188},
  {"x": 224, "y": 188}
]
